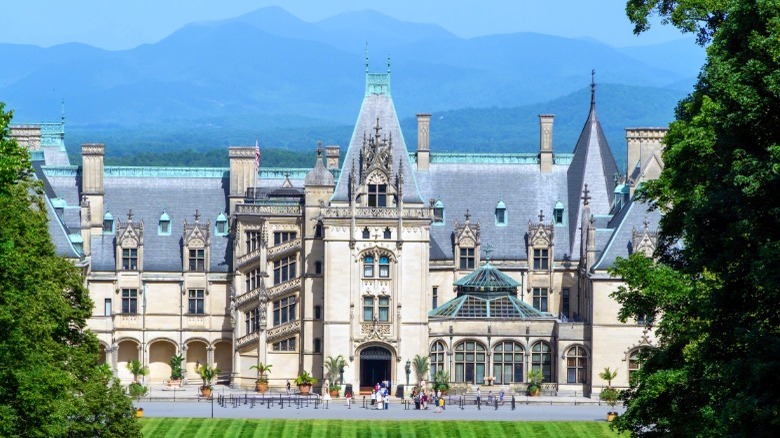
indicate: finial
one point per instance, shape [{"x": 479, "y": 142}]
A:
[
  {"x": 488, "y": 250},
  {"x": 130, "y": 215},
  {"x": 366, "y": 56},
  {"x": 63, "y": 110},
  {"x": 388, "y": 63},
  {"x": 541, "y": 216},
  {"x": 593, "y": 88},
  {"x": 585, "y": 196},
  {"x": 468, "y": 215},
  {"x": 319, "y": 149},
  {"x": 197, "y": 215},
  {"x": 647, "y": 223},
  {"x": 377, "y": 129}
]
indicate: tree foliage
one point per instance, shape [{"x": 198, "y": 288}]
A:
[
  {"x": 50, "y": 382},
  {"x": 715, "y": 288}
]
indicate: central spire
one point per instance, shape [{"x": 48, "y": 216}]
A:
[{"x": 593, "y": 89}]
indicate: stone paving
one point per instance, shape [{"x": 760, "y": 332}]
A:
[{"x": 189, "y": 404}]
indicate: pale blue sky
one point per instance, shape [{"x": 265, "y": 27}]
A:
[{"x": 120, "y": 24}]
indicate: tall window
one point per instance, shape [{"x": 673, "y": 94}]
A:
[
  {"x": 541, "y": 259},
  {"x": 540, "y": 298},
  {"x": 508, "y": 362},
  {"x": 384, "y": 309},
  {"x": 284, "y": 311},
  {"x": 577, "y": 365},
  {"x": 317, "y": 345},
  {"x": 435, "y": 297},
  {"x": 317, "y": 268},
  {"x": 470, "y": 362},
  {"x": 319, "y": 233},
  {"x": 541, "y": 359},
  {"x": 283, "y": 236},
  {"x": 368, "y": 266},
  {"x": 437, "y": 358},
  {"x": 285, "y": 345},
  {"x": 107, "y": 307},
  {"x": 565, "y": 302},
  {"x": 467, "y": 258},
  {"x": 384, "y": 266},
  {"x": 196, "y": 301},
  {"x": 368, "y": 308},
  {"x": 317, "y": 312},
  {"x": 130, "y": 301},
  {"x": 197, "y": 260},
  {"x": 130, "y": 259},
  {"x": 253, "y": 279},
  {"x": 635, "y": 360},
  {"x": 253, "y": 320},
  {"x": 377, "y": 195},
  {"x": 284, "y": 269},
  {"x": 252, "y": 241}
]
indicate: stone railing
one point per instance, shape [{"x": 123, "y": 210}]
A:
[
  {"x": 248, "y": 297},
  {"x": 284, "y": 330},
  {"x": 284, "y": 248},
  {"x": 247, "y": 258},
  {"x": 243, "y": 341},
  {"x": 283, "y": 288},
  {"x": 379, "y": 212},
  {"x": 269, "y": 210}
]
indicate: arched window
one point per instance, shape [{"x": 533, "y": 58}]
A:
[
  {"x": 470, "y": 362},
  {"x": 577, "y": 365},
  {"x": 635, "y": 360},
  {"x": 437, "y": 358},
  {"x": 438, "y": 213},
  {"x": 387, "y": 233},
  {"x": 366, "y": 233},
  {"x": 384, "y": 266},
  {"x": 541, "y": 359},
  {"x": 501, "y": 218},
  {"x": 508, "y": 362},
  {"x": 368, "y": 266},
  {"x": 164, "y": 226}
]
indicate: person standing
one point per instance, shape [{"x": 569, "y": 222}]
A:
[
  {"x": 373, "y": 397},
  {"x": 479, "y": 396},
  {"x": 378, "y": 400},
  {"x": 288, "y": 388}
]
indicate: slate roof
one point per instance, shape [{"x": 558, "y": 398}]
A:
[
  {"x": 487, "y": 279},
  {"x": 479, "y": 187},
  {"x": 631, "y": 217},
  {"x": 378, "y": 106},
  {"x": 319, "y": 175},
  {"x": 594, "y": 165}
]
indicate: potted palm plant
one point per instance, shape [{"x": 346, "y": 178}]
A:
[
  {"x": 207, "y": 373},
  {"x": 535, "y": 379},
  {"x": 441, "y": 381},
  {"x": 135, "y": 389},
  {"x": 334, "y": 366},
  {"x": 304, "y": 382},
  {"x": 609, "y": 395},
  {"x": 420, "y": 364},
  {"x": 177, "y": 372},
  {"x": 262, "y": 381}
]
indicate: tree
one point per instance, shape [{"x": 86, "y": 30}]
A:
[
  {"x": 608, "y": 375},
  {"x": 420, "y": 364},
  {"x": 50, "y": 381},
  {"x": 334, "y": 365},
  {"x": 262, "y": 370},
  {"x": 715, "y": 287}
]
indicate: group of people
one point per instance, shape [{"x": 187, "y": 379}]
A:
[
  {"x": 423, "y": 398},
  {"x": 380, "y": 396},
  {"x": 490, "y": 399}
]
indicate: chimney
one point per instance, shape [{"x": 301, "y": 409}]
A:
[
  {"x": 423, "y": 141},
  {"x": 642, "y": 144},
  {"x": 332, "y": 154},
  {"x": 92, "y": 183},
  {"x": 545, "y": 142},
  {"x": 242, "y": 173}
]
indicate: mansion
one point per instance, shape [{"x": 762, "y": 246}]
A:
[{"x": 491, "y": 265}]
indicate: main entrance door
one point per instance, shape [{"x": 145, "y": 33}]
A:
[{"x": 374, "y": 367}]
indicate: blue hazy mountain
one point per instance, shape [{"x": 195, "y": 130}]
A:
[{"x": 273, "y": 71}]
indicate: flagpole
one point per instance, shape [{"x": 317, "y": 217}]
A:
[{"x": 257, "y": 166}]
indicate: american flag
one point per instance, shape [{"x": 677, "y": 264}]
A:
[{"x": 257, "y": 154}]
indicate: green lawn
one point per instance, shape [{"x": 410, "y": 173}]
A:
[{"x": 202, "y": 427}]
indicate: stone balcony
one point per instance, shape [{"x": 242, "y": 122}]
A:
[
  {"x": 248, "y": 298},
  {"x": 378, "y": 212},
  {"x": 269, "y": 210},
  {"x": 284, "y": 330},
  {"x": 247, "y": 340},
  {"x": 284, "y": 249},
  {"x": 248, "y": 259},
  {"x": 284, "y": 288}
]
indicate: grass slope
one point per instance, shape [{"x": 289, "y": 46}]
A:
[{"x": 202, "y": 427}]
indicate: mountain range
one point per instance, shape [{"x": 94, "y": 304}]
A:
[{"x": 277, "y": 74}]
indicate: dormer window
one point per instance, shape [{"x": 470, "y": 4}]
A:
[
  {"x": 558, "y": 213},
  {"x": 221, "y": 226},
  {"x": 438, "y": 213},
  {"x": 108, "y": 223},
  {"x": 366, "y": 233},
  {"x": 377, "y": 195},
  {"x": 164, "y": 225},
  {"x": 387, "y": 234},
  {"x": 501, "y": 218}
]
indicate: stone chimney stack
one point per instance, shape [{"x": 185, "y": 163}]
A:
[
  {"x": 423, "y": 141},
  {"x": 92, "y": 183},
  {"x": 242, "y": 173},
  {"x": 546, "y": 142},
  {"x": 332, "y": 154},
  {"x": 643, "y": 144}
]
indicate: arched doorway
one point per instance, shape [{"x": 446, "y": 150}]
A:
[
  {"x": 160, "y": 354},
  {"x": 196, "y": 355},
  {"x": 128, "y": 350},
  {"x": 223, "y": 359},
  {"x": 375, "y": 366}
]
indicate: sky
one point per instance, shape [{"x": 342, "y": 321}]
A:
[{"x": 123, "y": 24}]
